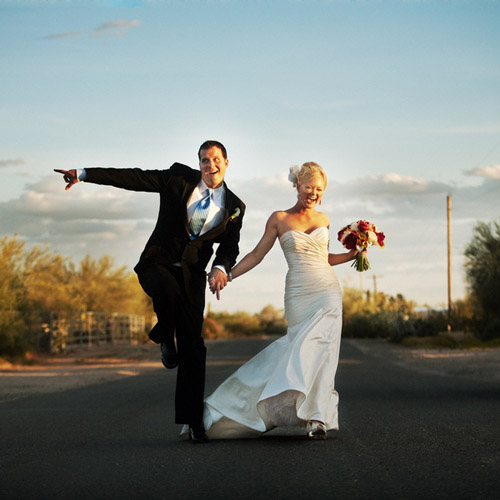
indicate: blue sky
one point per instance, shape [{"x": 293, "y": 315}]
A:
[{"x": 399, "y": 101}]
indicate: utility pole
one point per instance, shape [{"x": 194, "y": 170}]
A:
[{"x": 448, "y": 210}]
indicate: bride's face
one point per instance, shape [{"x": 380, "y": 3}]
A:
[{"x": 311, "y": 191}]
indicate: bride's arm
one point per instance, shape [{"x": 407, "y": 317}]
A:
[
  {"x": 259, "y": 252},
  {"x": 339, "y": 258}
]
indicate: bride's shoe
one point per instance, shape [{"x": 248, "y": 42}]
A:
[{"x": 316, "y": 430}]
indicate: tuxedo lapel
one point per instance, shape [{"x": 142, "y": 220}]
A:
[{"x": 186, "y": 194}]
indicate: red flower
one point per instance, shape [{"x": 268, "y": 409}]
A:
[
  {"x": 350, "y": 241},
  {"x": 363, "y": 225},
  {"x": 381, "y": 238}
]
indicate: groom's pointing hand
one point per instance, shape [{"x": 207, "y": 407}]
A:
[{"x": 69, "y": 176}]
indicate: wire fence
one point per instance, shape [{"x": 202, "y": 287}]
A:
[{"x": 57, "y": 332}]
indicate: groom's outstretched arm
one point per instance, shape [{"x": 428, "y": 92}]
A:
[{"x": 133, "y": 179}]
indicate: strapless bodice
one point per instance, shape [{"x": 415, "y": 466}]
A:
[
  {"x": 305, "y": 249},
  {"x": 311, "y": 282}
]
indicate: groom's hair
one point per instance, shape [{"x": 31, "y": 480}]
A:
[{"x": 211, "y": 144}]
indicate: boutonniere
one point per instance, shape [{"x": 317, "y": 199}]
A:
[{"x": 235, "y": 215}]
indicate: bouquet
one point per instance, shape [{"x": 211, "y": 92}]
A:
[{"x": 361, "y": 235}]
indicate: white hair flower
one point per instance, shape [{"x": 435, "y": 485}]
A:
[{"x": 293, "y": 175}]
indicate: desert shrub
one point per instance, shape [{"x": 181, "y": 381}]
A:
[
  {"x": 270, "y": 321},
  {"x": 428, "y": 327},
  {"x": 276, "y": 328},
  {"x": 211, "y": 328},
  {"x": 401, "y": 328},
  {"x": 366, "y": 325},
  {"x": 242, "y": 324}
]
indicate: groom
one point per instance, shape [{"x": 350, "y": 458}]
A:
[{"x": 196, "y": 210}]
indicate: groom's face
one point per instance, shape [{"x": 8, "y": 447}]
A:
[{"x": 213, "y": 166}]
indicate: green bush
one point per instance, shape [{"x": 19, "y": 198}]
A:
[
  {"x": 13, "y": 341},
  {"x": 269, "y": 321},
  {"x": 401, "y": 328},
  {"x": 366, "y": 325},
  {"x": 491, "y": 330},
  {"x": 391, "y": 325},
  {"x": 276, "y": 328}
]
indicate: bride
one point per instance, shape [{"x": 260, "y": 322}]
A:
[{"x": 290, "y": 382}]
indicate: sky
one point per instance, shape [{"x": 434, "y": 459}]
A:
[{"x": 399, "y": 102}]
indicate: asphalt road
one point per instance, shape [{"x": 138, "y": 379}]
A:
[{"x": 403, "y": 435}]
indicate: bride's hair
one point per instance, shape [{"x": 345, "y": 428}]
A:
[{"x": 300, "y": 175}]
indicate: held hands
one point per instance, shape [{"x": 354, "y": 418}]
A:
[
  {"x": 69, "y": 176},
  {"x": 217, "y": 280}
]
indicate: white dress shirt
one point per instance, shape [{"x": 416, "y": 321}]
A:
[{"x": 216, "y": 212}]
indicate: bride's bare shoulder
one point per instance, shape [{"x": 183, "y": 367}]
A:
[
  {"x": 276, "y": 221},
  {"x": 325, "y": 220},
  {"x": 278, "y": 216}
]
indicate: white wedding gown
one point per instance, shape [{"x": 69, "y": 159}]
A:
[{"x": 292, "y": 380}]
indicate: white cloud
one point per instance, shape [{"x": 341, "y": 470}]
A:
[
  {"x": 67, "y": 34},
  {"x": 11, "y": 162},
  {"x": 489, "y": 172},
  {"x": 118, "y": 27},
  {"x": 396, "y": 184}
]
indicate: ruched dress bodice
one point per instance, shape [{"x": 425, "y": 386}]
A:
[{"x": 311, "y": 282}]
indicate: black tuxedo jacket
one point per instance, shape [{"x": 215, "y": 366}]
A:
[{"x": 170, "y": 241}]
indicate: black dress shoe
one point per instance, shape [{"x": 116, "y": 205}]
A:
[
  {"x": 197, "y": 435},
  {"x": 168, "y": 356}
]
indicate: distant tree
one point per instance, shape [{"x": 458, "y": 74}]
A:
[
  {"x": 353, "y": 302},
  {"x": 136, "y": 301},
  {"x": 47, "y": 277},
  {"x": 482, "y": 268},
  {"x": 399, "y": 305},
  {"x": 12, "y": 290},
  {"x": 98, "y": 286},
  {"x": 12, "y": 297},
  {"x": 36, "y": 283},
  {"x": 466, "y": 313}
]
